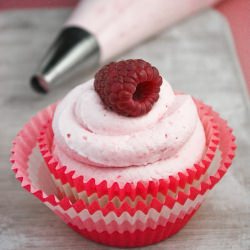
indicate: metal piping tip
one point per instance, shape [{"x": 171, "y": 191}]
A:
[
  {"x": 73, "y": 52},
  {"x": 39, "y": 84}
]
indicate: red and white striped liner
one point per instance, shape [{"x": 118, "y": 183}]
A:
[
  {"x": 81, "y": 216},
  {"x": 111, "y": 222}
]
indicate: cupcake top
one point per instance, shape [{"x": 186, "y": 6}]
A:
[{"x": 115, "y": 131}]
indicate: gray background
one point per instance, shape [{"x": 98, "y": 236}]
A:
[{"x": 195, "y": 56}]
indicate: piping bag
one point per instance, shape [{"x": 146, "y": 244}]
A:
[{"x": 99, "y": 30}]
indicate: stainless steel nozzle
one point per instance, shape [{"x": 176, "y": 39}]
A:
[{"x": 74, "y": 51}]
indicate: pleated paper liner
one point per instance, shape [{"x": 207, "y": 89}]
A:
[
  {"x": 76, "y": 188},
  {"x": 111, "y": 222},
  {"x": 136, "y": 238},
  {"x": 30, "y": 171}
]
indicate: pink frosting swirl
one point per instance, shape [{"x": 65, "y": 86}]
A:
[{"x": 88, "y": 133}]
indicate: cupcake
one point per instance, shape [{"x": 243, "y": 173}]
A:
[
  {"x": 124, "y": 127},
  {"x": 130, "y": 159}
]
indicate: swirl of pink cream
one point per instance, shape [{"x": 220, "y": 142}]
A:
[{"x": 90, "y": 134}]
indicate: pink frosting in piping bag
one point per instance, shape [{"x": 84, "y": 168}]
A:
[{"x": 120, "y": 24}]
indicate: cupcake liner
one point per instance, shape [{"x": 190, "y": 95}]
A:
[
  {"x": 128, "y": 237},
  {"x": 138, "y": 238},
  {"x": 35, "y": 178},
  {"x": 68, "y": 191},
  {"x": 110, "y": 223},
  {"x": 140, "y": 221},
  {"x": 114, "y": 222},
  {"x": 76, "y": 188}
]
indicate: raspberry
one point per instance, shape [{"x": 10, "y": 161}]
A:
[{"x": 129, "y": 88}]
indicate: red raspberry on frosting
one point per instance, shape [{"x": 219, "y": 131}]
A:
[{"x": 129, "y": 88}]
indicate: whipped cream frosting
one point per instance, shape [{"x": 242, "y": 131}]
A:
[{"x": 92, "y": 139}]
